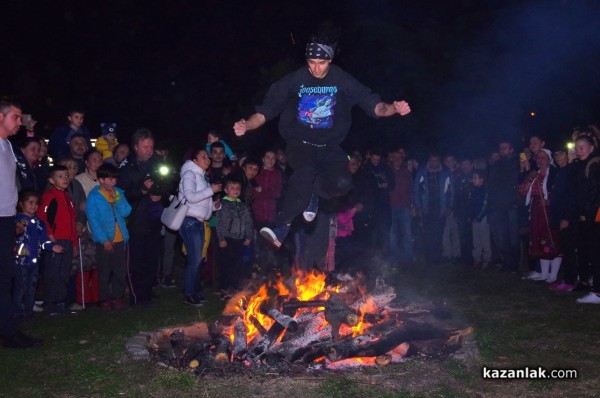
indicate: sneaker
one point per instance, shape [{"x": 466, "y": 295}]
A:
[
  {"x": 76, "y": 307},
  {"x": 311, "y": 210},
  {"x": 591, "y": 298},
  {"x": 58, "y": 309},
  {"x": 167, "y": 282},
  {"x": 38, "y": 308},
  {"x": 200, "y": 297},
  {"x": 119, "y": 305},
  {"x": 193, "y": 301},
  {"x": 275, "y": 235},
  {"x": 533, "y": 276},
  {"x": 20, "y": 340},
  {"x": 344, "y": 277},
  {"x": 563, "y": 286}
]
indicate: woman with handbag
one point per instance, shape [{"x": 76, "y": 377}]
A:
[
  {"x": 198, "y": 193},
  {"x": 544, "y": 236}
]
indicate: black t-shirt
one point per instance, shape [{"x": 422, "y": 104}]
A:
[{"x": 316, "y": 110}]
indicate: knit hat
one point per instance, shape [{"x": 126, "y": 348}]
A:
[{"x": 108, "y": 128}]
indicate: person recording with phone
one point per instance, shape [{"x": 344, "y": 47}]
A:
[{"x": 144, "y": 225}]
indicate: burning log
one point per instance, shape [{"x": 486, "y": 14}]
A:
[
  {"x": 296, "y": 304},
  {"x": 375, "y": 301},
  {"x": 336, "y": 313},
  {"x": 223, "y": 351},
  {"x": 349, "y": 348},
  {"x": 293, "y": 349},
  {"x": 284, "y": 320},
  {"x": 261, "y": 329},
  {"x": 269, "y": 338},
  {"x": 240, "y": 344}
]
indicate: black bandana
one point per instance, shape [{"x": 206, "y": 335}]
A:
[{"x": 318, "y": 51}]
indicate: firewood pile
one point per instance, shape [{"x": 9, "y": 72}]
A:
[{"x": 305, "y": 322}]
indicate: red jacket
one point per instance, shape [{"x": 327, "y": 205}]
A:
[
  {"x": 57, "y": 211},
  {"x": 264, "y": 205}
]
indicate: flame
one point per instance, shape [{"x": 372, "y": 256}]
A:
[
  {"x": 253, "y": 310},
  {"x": 309, "y": 285},
  {"x": 304, "y": 286},
  {"x": 358, "y": 328}
]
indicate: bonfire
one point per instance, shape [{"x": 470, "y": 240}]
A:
[{"x": 304, "y": 320}]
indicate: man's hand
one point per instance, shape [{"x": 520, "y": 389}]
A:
[
  {"x": 58, "y": 249},
  {"x": 247, "y": 242},
  {"x": 402, "y": 107},
  {"x": 239, "y": 127},
  {"x": 20, "y": 229},
  {"x": 155, "y": 198},
  {"x": 108, "y": 246},
  {"x": 222, "y": 243},
  {"x": 242, "y": 126}
]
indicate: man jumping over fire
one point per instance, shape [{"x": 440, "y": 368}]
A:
[{"x": 314, "y": 105}]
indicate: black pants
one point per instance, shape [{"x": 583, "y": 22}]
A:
[
  {"x": 232, "y": 266},
  {"x": 465, "y": 235},
  {"x": 433, "y": 229},
  {"x": 57, "y": 271},
  {"x": 322, "y": 170},
  {"x": 8, "y": 323},
  {"x": 112, "y": 271},
  {"x": 589, "y": 264},
  {"x": 144, "y": 251}
]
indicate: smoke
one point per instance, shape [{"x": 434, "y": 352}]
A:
[{"x": 536, "y": 57}]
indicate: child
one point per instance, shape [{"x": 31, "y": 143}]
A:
[
  {"x": 249, "y": 169},
  {"x": 108, "y": 140},
  {"x": 234, "y": 232},
  {"x": 482, "y": 253},
  {"x": 29, "y": 243},
  {"x": 57, "y": 211},
  {"x": 215, "y": 136},
  {"x": 106, "y": 209}
]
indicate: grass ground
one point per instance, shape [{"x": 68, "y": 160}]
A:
[{"x": 517, "y": 323}]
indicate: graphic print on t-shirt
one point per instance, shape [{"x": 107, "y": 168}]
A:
[{"x": 315, "y": 108}]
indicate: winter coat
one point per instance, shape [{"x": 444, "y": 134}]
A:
[
  {"x": 421, "y": 191},
  {"x": 102, "y": 215},
  {"x": 264, "y": 205},
  {"x": 32, "y": 240},
  {"x": 234, "y": 220},
  {"x": 145, "y": 214},
  {"x": 57, "y": 211},
  {"x": 196, "y": 190}
]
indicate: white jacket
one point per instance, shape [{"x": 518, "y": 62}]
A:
[{"x": 197, "y": 191}]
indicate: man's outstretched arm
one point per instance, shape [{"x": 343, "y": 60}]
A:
[
  {"x": 253, "y": 122},
  {"x": 397, "y": 107}
]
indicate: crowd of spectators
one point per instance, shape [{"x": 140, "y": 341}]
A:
[{"x": 528, "y": 211}]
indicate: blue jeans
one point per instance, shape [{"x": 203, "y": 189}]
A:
[
  {"x": 401, "y": 240},
  {"x": 24, "y": 288},
  {"x": 192, "y": 233}
]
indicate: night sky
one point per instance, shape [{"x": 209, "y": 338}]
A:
[{"x": 471, "y": 70}]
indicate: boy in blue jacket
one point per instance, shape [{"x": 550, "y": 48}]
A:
[{"x": 106, "y": 211}]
